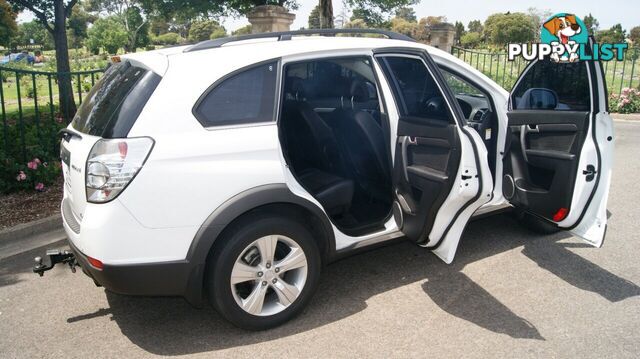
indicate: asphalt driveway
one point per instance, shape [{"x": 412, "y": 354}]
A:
[{"x": 508, "y": 293}]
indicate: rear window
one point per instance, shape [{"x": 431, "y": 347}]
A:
[{"x": 114, "y": 103}]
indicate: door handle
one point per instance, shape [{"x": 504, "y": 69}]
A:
[
  {"x": 405, "y": 141},
  {"x": 524, "y": 129}
]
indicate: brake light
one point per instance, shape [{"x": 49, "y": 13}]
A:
[
  {"x": 112, "y": 164},
  {"x": 560, "y": 214}
]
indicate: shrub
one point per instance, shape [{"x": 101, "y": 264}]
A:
[
  {"x": 626, "y": 102},
  {"x": 41, "y": 165},
  {"x": 470, "y": 40},
  {"x": 218, "y": 33},
  {"x": 202, "y": 30},
  {"x": 106, "y": 33},
  {"x": 170, "y": 38},
  {"x": 245, "y": 30}
]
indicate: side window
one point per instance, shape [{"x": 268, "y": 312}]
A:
[
  {"x": 469, "y": 96},
  {"x": 415, "y": 90},
  {"x": 553, "y": 86},
  {"x": 246, "y": 97}
]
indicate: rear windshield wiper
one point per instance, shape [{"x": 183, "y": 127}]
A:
[{"x": 67, "y": 134}]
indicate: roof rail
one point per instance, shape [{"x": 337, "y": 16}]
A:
[{"x": 287, "y": 35}]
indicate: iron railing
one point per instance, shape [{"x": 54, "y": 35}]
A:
[
  {"x": 619, "y": 74},
  {"x": 29, "y": 109}
]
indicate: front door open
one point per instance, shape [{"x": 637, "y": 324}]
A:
[{"x": 559, "y": 148}]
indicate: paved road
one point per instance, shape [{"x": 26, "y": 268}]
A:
[{"x": 508, "y": 293}]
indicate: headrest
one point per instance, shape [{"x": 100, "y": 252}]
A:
[
  {"x": 361, "y": 91},
  {"x": 294, "y": 87}
]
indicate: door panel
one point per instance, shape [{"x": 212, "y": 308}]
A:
[
  {"x": 438, "y": 173},
  {"x": 558, "y": 153},
  {"x": 428, "y": 159},
  {"x": 542, "y": 157}
]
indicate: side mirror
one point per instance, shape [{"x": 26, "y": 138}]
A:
[{"x": 539, "y": 99}]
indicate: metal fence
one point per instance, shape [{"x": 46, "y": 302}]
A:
[
  {"x": 29, "y": 110},
  {"x": 619, "y": 74}
]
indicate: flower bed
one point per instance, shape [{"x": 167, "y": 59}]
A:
[{"x": 628, "y": 101}]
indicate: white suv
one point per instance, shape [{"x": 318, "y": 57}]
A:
[{"x": 234, "y": 169}]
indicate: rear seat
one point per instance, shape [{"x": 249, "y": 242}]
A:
[{"x": 314, "y": 157}]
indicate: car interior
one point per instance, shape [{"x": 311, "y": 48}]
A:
[
  {"x": 332, "y": 130},
  {"x": 548, "y": 122}
]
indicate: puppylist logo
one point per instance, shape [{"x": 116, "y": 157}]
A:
[{"x": 564, "y": 38}]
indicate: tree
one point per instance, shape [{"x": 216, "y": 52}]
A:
[
  {"x": 241, "y": 7},
  {"x": 33, "y": 30},
  {"x": 502, "y": 29},
  {"x": 376, "y": 12},
  {"x": 433, "y": 20},
  {"x": 371, "y": 18},
  {"x": 406, "y": 13},
  {"x": 314, "y": 18},
  {"x": 326, "y": 14},
  {"x": 591, "y": 23},
  {"x": 538, "y": 17},
  {"x": 634, "y": 36},
  {"x": 475, "y": 26},
  {"x": 78, "y": 25},
  {"x": 8, "y": 26},
  {"x": 403, "y": 26},
  {"x": 612, "y": 35},
  {"x": 460, "y": 31},
  {"x": 53, "y": 14},
  {"x": 132, "y": 14},
  {"x": 202, "y": 30},
  {"x": 107, "y": 33},
  {"x": 158, "y": 26},
  {"x": 470, "y": 40}
]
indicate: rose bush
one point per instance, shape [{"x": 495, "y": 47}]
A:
[{"x": 628, "y": 101}]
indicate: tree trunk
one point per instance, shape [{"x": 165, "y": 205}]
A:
[
  {"x": 65, "y": 88},
  {"x": 326, "y": 14}
]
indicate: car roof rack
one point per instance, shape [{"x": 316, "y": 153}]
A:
[{"x": 287, "y": 35}]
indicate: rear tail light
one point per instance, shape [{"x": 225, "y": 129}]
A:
[{"x": 112, "y": 164}]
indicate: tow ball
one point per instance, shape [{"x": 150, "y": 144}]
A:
[{"x": 55, "y": 256}]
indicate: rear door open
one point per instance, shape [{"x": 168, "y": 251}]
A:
[
  {"x": 440, "y": 173},
  {"x": 558, "y": 155}
]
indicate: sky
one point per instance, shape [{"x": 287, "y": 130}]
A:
[{"x": 608, "y": 12}]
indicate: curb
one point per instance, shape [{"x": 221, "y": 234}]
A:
[
  {"x": 32, "y": 228},
  {"x": 625, "y": 116}
]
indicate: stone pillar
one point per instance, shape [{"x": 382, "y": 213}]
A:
[
  {"x": 442, "y": 36},
  {"x": 270, "y": 18}
]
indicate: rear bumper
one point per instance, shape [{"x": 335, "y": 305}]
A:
[{"x": 150, "y": 279}]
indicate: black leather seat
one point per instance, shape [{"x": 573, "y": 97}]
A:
[
  {"x": 363, "y": 140},
  {"x": 333, "y": 192},
  {"x": 312, "y": 151}
]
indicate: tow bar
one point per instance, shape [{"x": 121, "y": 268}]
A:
[{"x": 55, "y": 256}]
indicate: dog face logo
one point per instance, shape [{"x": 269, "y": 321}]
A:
[{"x": 563, "y": 27}]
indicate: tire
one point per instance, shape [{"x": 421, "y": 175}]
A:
[
  {"x": 535, "y": 224},
  {"x": 242, "y": 239}
]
